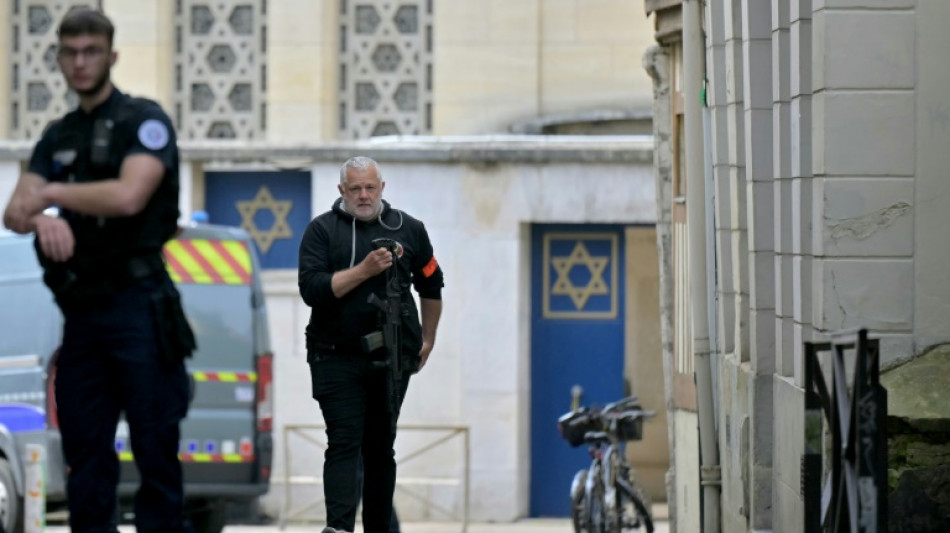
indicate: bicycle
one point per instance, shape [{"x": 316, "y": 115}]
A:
[{"x": 605, "y": 497}]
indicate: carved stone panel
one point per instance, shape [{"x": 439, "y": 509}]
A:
[
  {"x": 220, "y": 69},
  {"x": 39, "y": 92},
  {"x": 385, "y": 68}
]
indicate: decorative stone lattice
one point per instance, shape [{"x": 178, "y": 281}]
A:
[
  {"x": 40, "y": 93},
  {"x": 220, "y": 69},
  {"x": 385, "y": 67}
]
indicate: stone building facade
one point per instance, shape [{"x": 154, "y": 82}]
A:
[{"x": 820, "y": 161}]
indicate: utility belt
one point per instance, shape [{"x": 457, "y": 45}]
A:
[
  {"x": 73, "y": 289},
  {"x": 352, "y": 347}
]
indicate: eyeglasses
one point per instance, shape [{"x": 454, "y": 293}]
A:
[{"x": 91, "y": 53}]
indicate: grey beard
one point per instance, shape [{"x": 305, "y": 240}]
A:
[{"x": 378, "y": 209}]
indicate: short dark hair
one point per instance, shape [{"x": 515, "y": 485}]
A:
[{"x": 86, "y": 21}]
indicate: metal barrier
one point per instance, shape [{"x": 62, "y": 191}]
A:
[
  {"x": 307, "y": 431},
  {"x": 850, "y": 493}
]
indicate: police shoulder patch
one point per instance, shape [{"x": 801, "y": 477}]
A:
[{"x": 153, "y": 134}]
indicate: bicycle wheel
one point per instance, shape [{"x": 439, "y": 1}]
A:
[
  {"x": 596, "y": 519},
  {"x": 578, "y": 493},
  {"x": 639, "y": 512}
]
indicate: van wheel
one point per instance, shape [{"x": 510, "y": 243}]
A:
[
  {"x": 209, "y": 516},
  {"x": 11, "y": 504}
]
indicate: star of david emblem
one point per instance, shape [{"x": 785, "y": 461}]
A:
[
  {"x": 280, "y": 210},
  {"x": 563, "y": 286}
]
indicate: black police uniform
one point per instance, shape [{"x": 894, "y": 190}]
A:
[
  {"x": 350, "y": 390},
  {"x": 124, "y": 335}
]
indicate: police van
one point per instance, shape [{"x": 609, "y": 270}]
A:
[{"x": 226, "y": 443}]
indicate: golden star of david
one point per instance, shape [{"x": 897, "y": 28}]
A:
[
  {"x": 565, "y": 287},
  {"x": 264, "y": 200}
]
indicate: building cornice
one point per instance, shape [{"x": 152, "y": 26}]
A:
[{"x": 476, "y": 149}]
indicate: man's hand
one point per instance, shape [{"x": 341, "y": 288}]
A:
[
  {"x": 377, "y": 261},
  {"x": 374, "y": 263},
  {"x": 423, "y": 355},
  {"x": 55, "y": 237}
]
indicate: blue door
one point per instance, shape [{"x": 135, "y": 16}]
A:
[{"x": 576, "y": 339}]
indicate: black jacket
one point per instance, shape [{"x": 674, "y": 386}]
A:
[{"x": 336, "y": 324}]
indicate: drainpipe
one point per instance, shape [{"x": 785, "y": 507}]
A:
[{"x": 693, "y": 76}]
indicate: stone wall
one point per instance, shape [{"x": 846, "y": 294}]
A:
[{"x": 918, "y": 452}]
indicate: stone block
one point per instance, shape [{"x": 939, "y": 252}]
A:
[
  {"x": 800, "y": 135},
  {"x": 784, "y": 286},
  {"x": 800, "y": 10},
  {"x": 300, "y": 122},
  {"x": 762, "y": 280},
  {"x": 723, "y": 217},
  {"x": 515, "y": 22},
  {"x": 896, "y": 348},
  {"x": 757, "y": 73},
  {"x": 758, "y": 149},
  {"x": 786, "y": 348},
  {"x": 866, "y": 50},
  {"x": 781, "y": 140},
  {"x": 458, "y": 23},
  {"x": 715, "y": 26},
  {"x": 725, "y": 260},
  {"x": 735, "y": 124},
  {"x": 727, "y": 317},
  {"x": 878, "y": 295},
  {"x": 734, "y": 72},
  {"x": 737, "y": 197},
  {"x": 782, "y": 204},
  {"x": 863, "y": 4},
  {"x": 781, "y": 65},
  {"x": 288, "y": 82},
  {"x": 762, "y": 343},
  {"x": 788, "y": 439},
  {"x": 291, "y": 22},
  {"x": 859, "y": 133},
  {"x": 601, "y": 21},
  {"x": 780, "y": 14},
  {"x": 559, "y": 21},
  {"x": 800, "y": 59},
  {"x": 802, "y": 288},
  {"x": 802, "y": 206},
  {"x": 760, "y": 196},
  {"x": 756, "y": 20},
  {"x": 718, "y": 84},
  {"x": 866, "y": 217},
  {"x": 732, "y": 18}
]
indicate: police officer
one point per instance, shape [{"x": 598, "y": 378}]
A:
[
  {"x": 110, "y": 167},
  {"x": 341, "y": 265}
]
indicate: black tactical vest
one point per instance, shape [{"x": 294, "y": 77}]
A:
[{"x": 91, "y": 147}]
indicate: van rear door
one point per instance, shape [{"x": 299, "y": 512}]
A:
[{"x": 215, "y": 271}]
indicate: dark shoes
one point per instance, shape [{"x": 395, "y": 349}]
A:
[{"x": 329, "y": 529}]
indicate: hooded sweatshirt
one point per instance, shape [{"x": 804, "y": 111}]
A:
[{"x": 336, "y": 241}]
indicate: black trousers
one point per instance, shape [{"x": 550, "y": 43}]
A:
[
  {"x": 108, "y": 363},
  {"x": 352, "y": 397}
]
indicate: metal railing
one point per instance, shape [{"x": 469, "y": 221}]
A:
[
  {"x": 312, "y": 433},
  {"x": 844, "y": 481}
]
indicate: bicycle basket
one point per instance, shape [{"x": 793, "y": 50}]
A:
[
  {"x": 574, "y": 425},
  {"x": 630, "y": 426}
]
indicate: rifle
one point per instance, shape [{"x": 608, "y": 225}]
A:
[{"x": 390, "y": 333}]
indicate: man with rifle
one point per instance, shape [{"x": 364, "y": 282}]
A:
[{"x": 365, "y": 339}]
